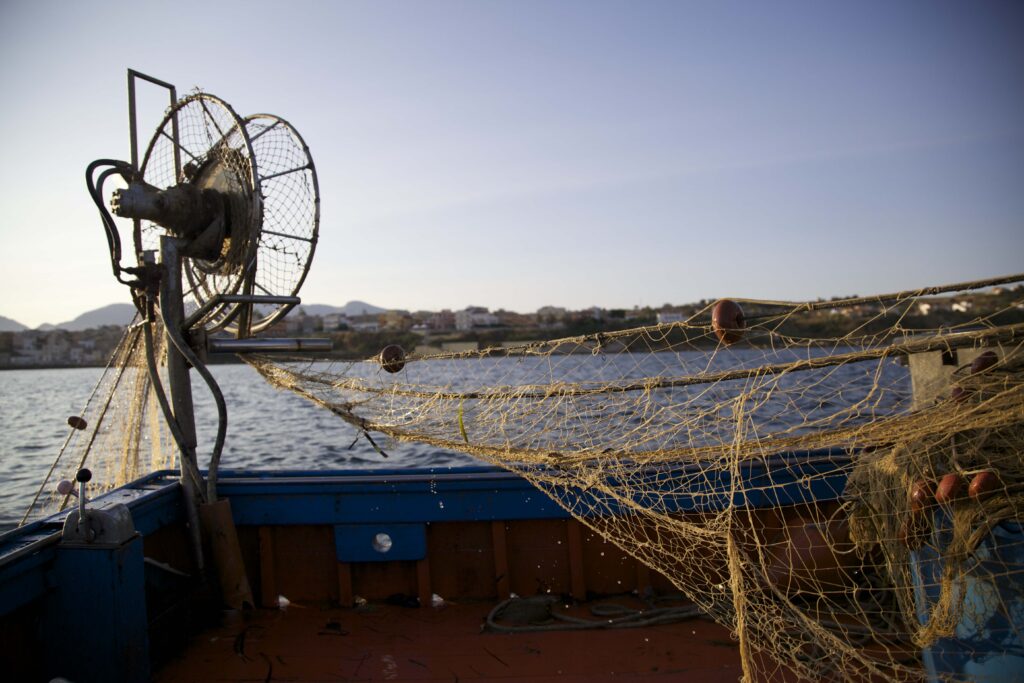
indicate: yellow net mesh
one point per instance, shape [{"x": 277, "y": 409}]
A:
[
  {"x": 122, "y": 435},
  {"x": 786, "y": 465},
  {"x": 778, "y": 462}
]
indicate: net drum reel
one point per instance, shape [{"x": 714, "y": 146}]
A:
[
  {"x": 225, "y": 213},
  {"x": 243, "y": 196}
]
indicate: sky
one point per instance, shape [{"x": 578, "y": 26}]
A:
[{"x": 521, "y": 154}]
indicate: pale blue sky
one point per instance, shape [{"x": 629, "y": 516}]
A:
[{"x": 519, "y": 154}]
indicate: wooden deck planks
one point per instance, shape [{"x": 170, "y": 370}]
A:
[{"x": 394, "y": 643}]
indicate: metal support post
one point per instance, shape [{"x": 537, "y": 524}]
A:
[{"x": 173, "y": 309}]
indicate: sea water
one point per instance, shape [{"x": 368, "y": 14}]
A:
[
  {"x": 270, "y": 428},
  {"x": 267, "y": 429}
]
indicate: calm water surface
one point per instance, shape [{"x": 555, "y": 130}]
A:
[
  {"x": 267, "y": 429},
  {"x": 275, "y": 429}
]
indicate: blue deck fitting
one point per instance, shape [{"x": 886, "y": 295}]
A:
[
  {"x": 95, "y": 620},
  {"x": 380, "y": 542}
]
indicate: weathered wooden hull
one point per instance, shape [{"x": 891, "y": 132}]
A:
[{"x": 471, "y": 537}]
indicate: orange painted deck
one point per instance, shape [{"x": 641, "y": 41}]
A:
[
  {"x": 386, "y": 642},
  {"x": 323, "y": 636},
  {"x": 345, "y": 622}
]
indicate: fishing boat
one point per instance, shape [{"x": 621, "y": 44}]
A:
[{"x": 702, "y": 500}]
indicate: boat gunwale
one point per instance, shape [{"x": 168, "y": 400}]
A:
[{"x": 166, "y": 483}]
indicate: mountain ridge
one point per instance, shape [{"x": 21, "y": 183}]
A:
[
  {"x": 352, "y": 308},
  {"x": 121, "y": 314},
  {"x": 111, "y": 314},
  {"x": 10, "y": 325}
]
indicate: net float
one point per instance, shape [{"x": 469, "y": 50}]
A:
[
  {"x": 66, "y": 488},
  {"x": 921, "y": 495},
  {"x": 983, "y": 484},
  {"x": 392, "y": 358},
  {"x": 727, "y": 321},
  {"x": 980, "y": 364},
  {"x": 984, "y": 362},
  {"x": 949, "y": 488},
  {"x": 76, "y": 422}
]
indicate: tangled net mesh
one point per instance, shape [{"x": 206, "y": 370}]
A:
[
  {"x": 795, "y": 484},
  {"x": 123, "y": 435},
  {"x": 768, "y": 473}
]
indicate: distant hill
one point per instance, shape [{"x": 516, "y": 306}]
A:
[
  {"x": 113, "y": 314},
  {"x": 8, "y": 325},
  {"x": 352, "y": 308},
  {"x": 122, "y": 314}
]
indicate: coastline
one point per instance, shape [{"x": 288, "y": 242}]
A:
[{"x": 424, "y": 336}]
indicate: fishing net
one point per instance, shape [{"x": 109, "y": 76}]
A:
[
  {"x": 783, "y": 464},
  {"x": 120, "y": 434},
  {"x": 835, "y": 481}
]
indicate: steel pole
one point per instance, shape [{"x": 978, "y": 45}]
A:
[{"x": 180, "y": 384}]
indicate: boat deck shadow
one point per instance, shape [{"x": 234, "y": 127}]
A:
[{"x": 388, "y": 642}]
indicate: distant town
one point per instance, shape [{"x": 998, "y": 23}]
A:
[{"x": 361, "y": 330}]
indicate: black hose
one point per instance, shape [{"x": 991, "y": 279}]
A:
[
  {"x": 96, "y": 192},
  {"x": 610, "y": 616},
  {"x": 126, "y": 171}
]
